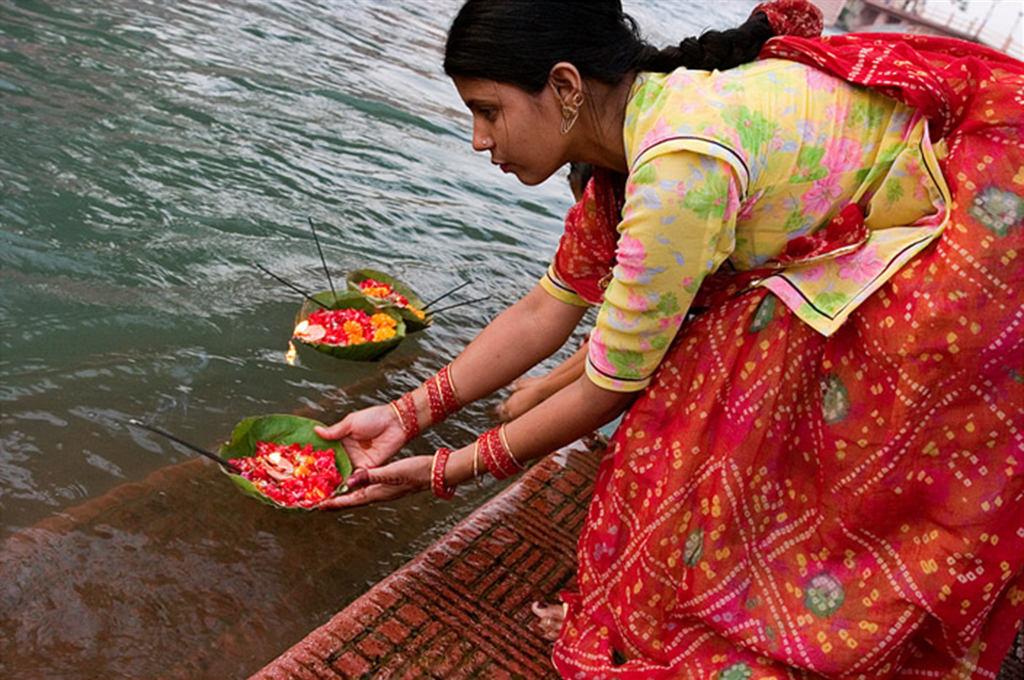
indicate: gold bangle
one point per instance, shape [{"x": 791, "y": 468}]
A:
[
  {"x": 508, "y": 449},
  {"x": 476, "y": 463},
  {"x": 451, "y": 384},
  {"x": 398, "y": 414}
]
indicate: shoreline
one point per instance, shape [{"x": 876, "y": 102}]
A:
[{"x": 461, "y": 608}]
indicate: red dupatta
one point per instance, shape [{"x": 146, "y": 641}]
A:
[
  {"x": 944, "y": 78},
  {"x": 586, "y": 251}
]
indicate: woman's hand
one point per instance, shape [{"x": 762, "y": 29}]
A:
[
  {"x": 386, "y": 483},
  {"x": 370, "y": 436}
]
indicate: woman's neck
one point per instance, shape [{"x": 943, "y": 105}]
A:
[{"x": 599, "y": 140}]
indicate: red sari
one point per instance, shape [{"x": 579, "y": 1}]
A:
[{"x": 783, "y": 504}]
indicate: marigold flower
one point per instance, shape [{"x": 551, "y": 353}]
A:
[
  {"x": 344, "y": 327},
  {"x": 354, "y": 331},
  {"x": 383, "y": 291}
]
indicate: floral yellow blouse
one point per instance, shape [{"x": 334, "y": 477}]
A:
[{"x": 733, "y": 165}]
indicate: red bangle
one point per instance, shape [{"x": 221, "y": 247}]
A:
[
  {"x": 437, "y": 466},
  {"x": 441, "y": 395},
  {"x": 496, "y": 455},
  {"x": 405, "y": 409},
  {"x": 451, "y": 396}
]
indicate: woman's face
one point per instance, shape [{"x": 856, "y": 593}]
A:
[{"x": 520, "y": 130}]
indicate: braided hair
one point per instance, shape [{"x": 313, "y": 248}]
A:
[
  {"x": 713, "y": 50},
  {"x": 518, "y": 41}
]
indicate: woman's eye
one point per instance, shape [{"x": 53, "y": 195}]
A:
[{"x": 487, "y": 113}]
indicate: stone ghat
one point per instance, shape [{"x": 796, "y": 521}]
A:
[{"x": 461, "y": 609}]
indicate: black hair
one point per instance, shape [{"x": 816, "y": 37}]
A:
[
  {"x": 518, "y": 41},
  {"x": 579, "y": 174}
]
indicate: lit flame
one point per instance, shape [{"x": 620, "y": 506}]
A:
[
  {"x": 290, "y": 354},
  {"x": 300, "y": 328}
]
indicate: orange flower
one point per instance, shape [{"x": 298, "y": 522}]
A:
[
  {"x": 354, "y": 331},
  {"x": 375, "y": 289},
  {"x": 383, "y": 327}
]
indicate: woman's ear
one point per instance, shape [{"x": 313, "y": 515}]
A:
[{"x": 566, "y": 82}]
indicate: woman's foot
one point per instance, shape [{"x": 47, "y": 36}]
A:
[
  {"x": 525, "y": 383},
  {"x": 550, "y": 618},
  {"x": 522, "y": 400},
  {"x": 529, "y": 392}
]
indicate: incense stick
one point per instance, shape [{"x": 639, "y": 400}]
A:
[
  {"x": 322, "y": 260},
  {"x": 459, "y": 304},
  {"x": 458, "y": 287},
  {"x": 292, "y": 286},
  {"x": 198, "y": 449}
]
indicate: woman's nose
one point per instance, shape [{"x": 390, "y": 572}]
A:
[{"x": 481, "y": 141}]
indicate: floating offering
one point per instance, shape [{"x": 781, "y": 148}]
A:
[
  {"x": 387, "y": 291},
  {"x": 349, "y": 326},
  {"x": 367, "y": 321},
  {"x": 344, "y": 327},
  {"x": 284, "y": 463}
]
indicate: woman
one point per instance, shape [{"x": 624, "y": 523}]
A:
[{"x": 812, "y": 311}]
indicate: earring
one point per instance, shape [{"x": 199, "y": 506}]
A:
[{"x": 570, "y": 111}]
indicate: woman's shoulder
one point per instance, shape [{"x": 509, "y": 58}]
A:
[
  {"x": 650, "y": 88},
  {"x": 710, "y": 104}
]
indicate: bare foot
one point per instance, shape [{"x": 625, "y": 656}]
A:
[
  {"x": 521, "y": 401},
  {"x": 550, "y": 617}
]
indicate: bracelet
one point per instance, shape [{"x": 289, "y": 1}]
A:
[
  {"x": 507, "y": 448},
  {"x": 441, "y": 395},
  {"x": 496, "y": 454},
  {"x": 437, "y": 466},
  {"x": 484, "y": 443},
  {"x": 476, "y": 463},
  {"x": 447, "y": 370},
  {"x": 405, "y": 410}
]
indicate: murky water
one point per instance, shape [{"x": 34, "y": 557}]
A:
[{"x": 151, "y": 154}]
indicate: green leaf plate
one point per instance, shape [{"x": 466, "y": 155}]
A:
[
  {"x": 279, "y": 429},
  {"x": 367, "y": 351},
  {"x": 413, "y": 322}
]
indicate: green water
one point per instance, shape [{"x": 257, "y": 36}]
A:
[{"x": 151, "y": 153}]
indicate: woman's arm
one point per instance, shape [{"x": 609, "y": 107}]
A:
[
  {"x": 573, "y": 412},
  {"x": 521, "y": 336}
]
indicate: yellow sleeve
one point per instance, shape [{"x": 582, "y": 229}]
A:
[
  {"x": 678, "y": 226},
  {"x": 560, "y": 290}
]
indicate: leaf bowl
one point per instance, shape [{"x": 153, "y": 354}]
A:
[
  {"x": 412, "y": 321},
  {"x": 281, "y": 429},
  {"x": 364, "y": 351}
]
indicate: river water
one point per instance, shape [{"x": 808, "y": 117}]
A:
[{"x": 151, "y": 154}]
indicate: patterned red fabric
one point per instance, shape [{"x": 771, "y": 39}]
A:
[
  {"x": 780, "y": 504},
  {"x": 844, "y": 232},
  {"x": 793, "y": 17},
  {"x": 586, "y": 251},
  {"x": 937, "y": 76}
]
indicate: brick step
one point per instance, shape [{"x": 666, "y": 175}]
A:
[{"x": 461, "y": 609}]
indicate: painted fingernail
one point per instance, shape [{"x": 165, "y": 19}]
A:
[{"x": 357, "y": 479}]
